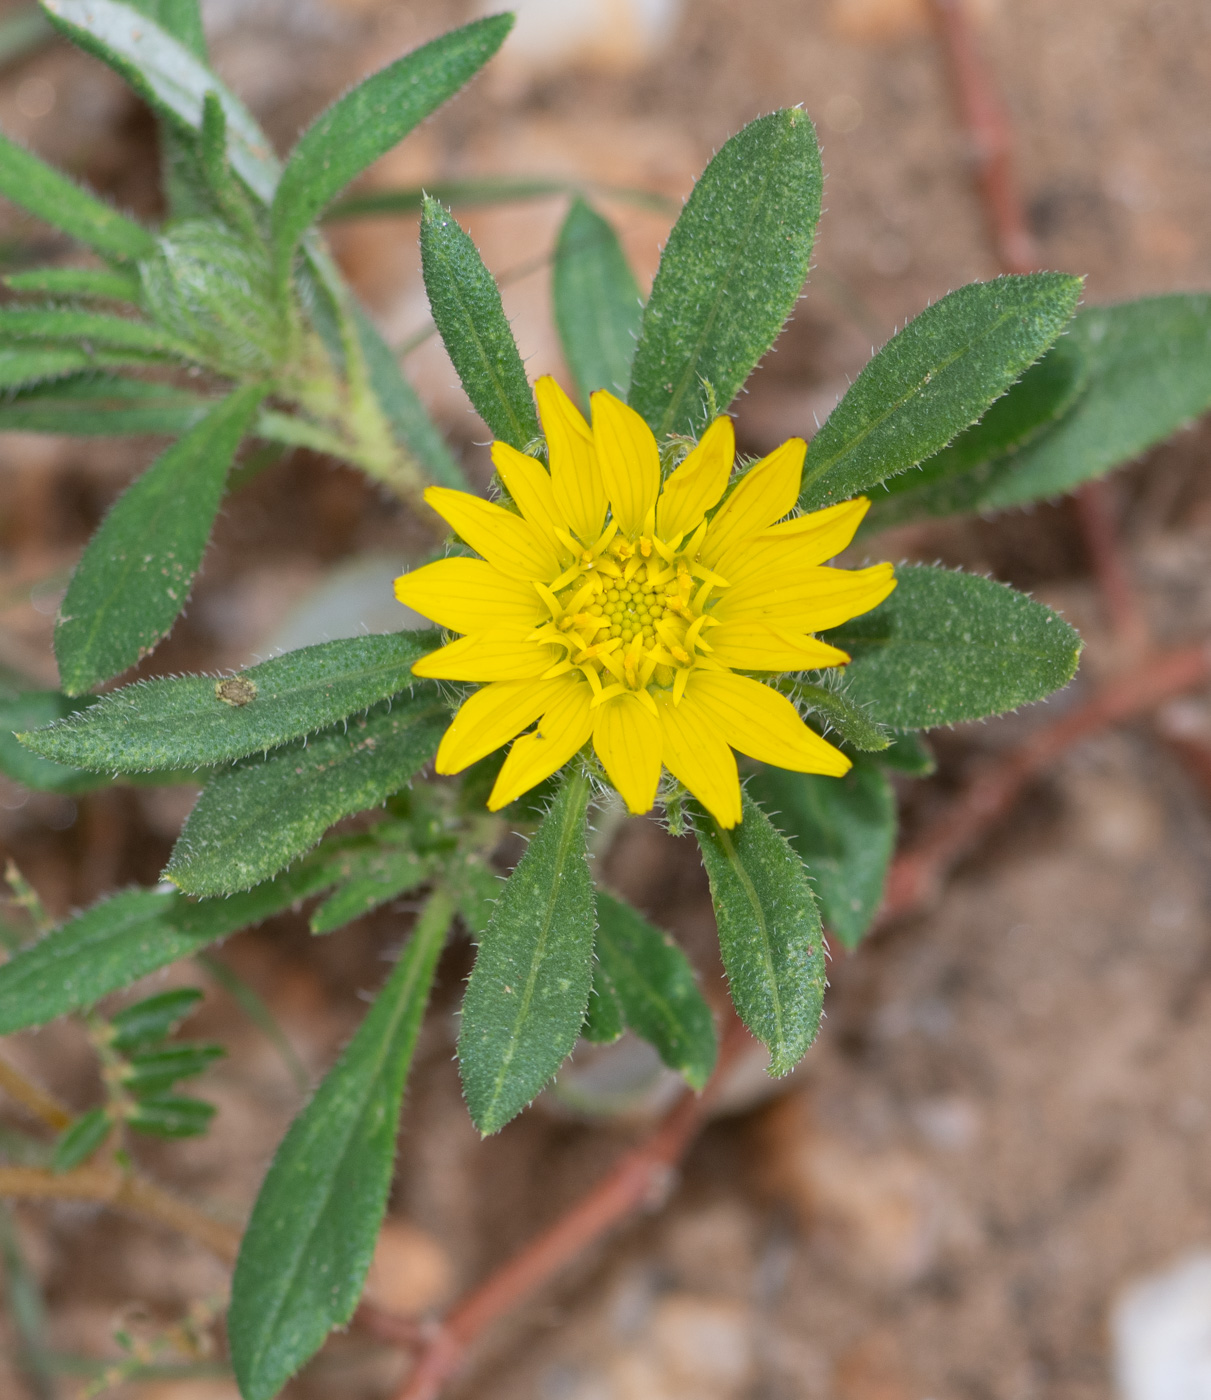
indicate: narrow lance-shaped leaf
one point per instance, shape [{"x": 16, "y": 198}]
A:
[
  {"x": 597, "y": 302},
  {"x": 769, "y": 932},
  {"x": 948, "y": 646},
  {"x": 731, "y": 271},
  {"x": 199, "y": 721},
  {"x": 375, "y": 878},
  {"x": 844, "y": 830},
  {"x": 529, "y": 990},
  {"x": 92, "y": 404},
  {"x": 255, "y": 819},
  {"x": 603, "y": 1022},
  {"x": 933, "y": 379},
  {"x": 127, "y": 935},
  {"x": 486, "y": 189},
  {"x": 32, "y": 364},
  {"x": 44, "y": 192},
  {"x": 18, "y": 323},
  {"x": 20, "y": 711},
  {"x": 138, "y": 568},
  {"x": 111, "y": 284},
  {"x": 372, "y": 117},
  {"x": 654, "y": 985},
  {"x": 468, "y": 312},
  {"x": 851, "y": 723},
  {"x": 311, "y": 1237}
]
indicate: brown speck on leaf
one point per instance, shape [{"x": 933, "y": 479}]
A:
[{"x": 235, "y": 690}]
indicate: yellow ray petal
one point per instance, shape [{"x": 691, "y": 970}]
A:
[
  {"x": 563, "y": 729},
  {"x": 698, "y": 482},
  {"x": 504, "y": 539},
  {"x": 488, "y": 656},
  {"x": 469, "y": 595},
  {"x": 629, "y": 461},
  {"x": 526, "y": 480},
  {"x": 756, "y": 646},
  {"x": 575, "y": 476},
  {"x": 491, "y": 717},
  {"x": 810, "y": 601},
  {"x": 763, "y": 724},
  {"x": 626, "y": 735},
  {"x": 800, "y": 543},
  {"x": 698, "y": 756},
  {"x": 764, "y": 495}
]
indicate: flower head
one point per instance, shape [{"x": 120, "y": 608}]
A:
[{"x": 615, "y": 608}]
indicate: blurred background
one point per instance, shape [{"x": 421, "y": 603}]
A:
[{"x": 991, "y": 1179}]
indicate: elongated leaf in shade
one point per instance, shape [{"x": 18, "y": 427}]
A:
[
  {"x": 468, "y": 313},
  {"x": 953, "y": 479},
  {"x": 50, "y": 196},
  {"x": 769, "y": 932},
  {"x": 603, "y": 1023},
  {"x": 529, "y": 990},
  {"x": 365, "y": 122},
  {"x": 138, "y": 568},
  {"x": 198, "y": 721},
  {"x": 35, "y": 323},
  {"x": 844, "y": 830},
  {"x": 29, "y": 709},
  {"x": 933, "y": 379},
  {"x": 948, "y": 646},
  {"x": 654, "y": 985},
  {"x": 309, "y": 1242},
  {"x": 409, "y": 419},
  {"x": 1149, "y": 368},
  {"x": 127, "y": 935},
  {"x": 485, "y": 189},
  {"x": 81, "y": 1140},
  {"x": 731, "y": 271},
  {"x": 256, "y": 818},
  {"x": 597, "y": 302},
  {"x": 110, "y": 284},
  {"x": 378, "y": 876},
  {"x": 169, "y": 76},
  {"x": 32, "y": 364},
  {"x": 110, "y": 405}
]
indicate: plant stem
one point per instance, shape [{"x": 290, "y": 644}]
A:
[{"x": 41, "y": 1104}]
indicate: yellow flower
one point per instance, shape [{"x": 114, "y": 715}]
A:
[{"x": 614, "y": 608}]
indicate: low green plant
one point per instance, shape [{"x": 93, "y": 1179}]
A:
[{"x": 230, "y": 324}]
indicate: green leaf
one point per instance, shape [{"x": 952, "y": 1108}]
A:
[
  {"x": 951, "y": 480},
  {"x": 401, "y": 405},
  {"x": 948, "y": 646},
  {"x": 656, "y": 990},
  {"x": 37, "y": 323},
  {"x": 529, "y": 990},
  {"x": 138, "y": 568},
  {"x": 36, "y": 364},
  {"x": 198, "y": 721},
  {"x": 468, "y": 312},
  {"x": 44, "y": 192},
  {"x": 180, "y": 18},
  {"x": 27, "y": 711},
  {"x": 92, "y": 404},
  {"x": 169, "y": 77},
  {"x": 844, "y": 830},
  {"x": 853, "y": 725},
  {"x": 79, "y": 1141},
  {"x": 731, "y": 271},
  {"x": 909, "y": 754},
  {"x": 1149, "y": 367},
  {"x": 603, "y": 1023},
  {"x": 769, "y": 932},
  {"x": 375, "y": 877},
  {"x": 155, "y": 1072},
  {"x": 367, "y": 121},
  {"x": 127, "y": 935},
  {"x": 147, "y": 1022},
  {"x": 597, "y": 302},
  {"x": 486, "y": 189},
  {"x": 256, "y": 818},
  {"x": 308, "y": 1245},
  {"x": 171, "y": 1116},
  {"x": 111, "y": 284},
  {"x": 933, "y": 379},
  {"x": 476, "y": 887}
]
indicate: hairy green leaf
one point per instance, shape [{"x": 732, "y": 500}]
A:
[
  {"x": 933, "y": 379},
  {"x": 603, "y": 1023},
  {"x": 309, "y": 1242},
  {"x": 36, "y": 323},
  {"x": 110, "y": 284},
  {"x": 256, "y": 818},
  {"x": 42, "y": 191},
  {"x": 169, "y": 76},
  {"x": 376, "y": 877},
  {"x": 145, "y": 1023},
  {"x": 654, "y": 984},
  {"x": 368, "y": 120},
  {"x": 28, "y": 710},
  {"x": 948, "y": 646},
  {"x": 529, "y": 990},
  {"x": 468, "y": 312},
  {"x": 138, "y": 568},
  {"x": 37, "y": 364},
  {"x": 477, "y": 887},
  {"x": 769, "y": 932},
  {"x": 486, "y": 189},
  {"x": 597, "y": 302},
  {"x": 92, "y": 404},
  {"x": 844, "y": 830},
  {"x": 198, "y": 721},
  {"x": 851, "y": 723},
  {"x": 79, "y": 1141},
  {"x": 129, "y": 934},
  {"x": 731, "y": 272},
  {"x": 156, "y": 1071}
]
